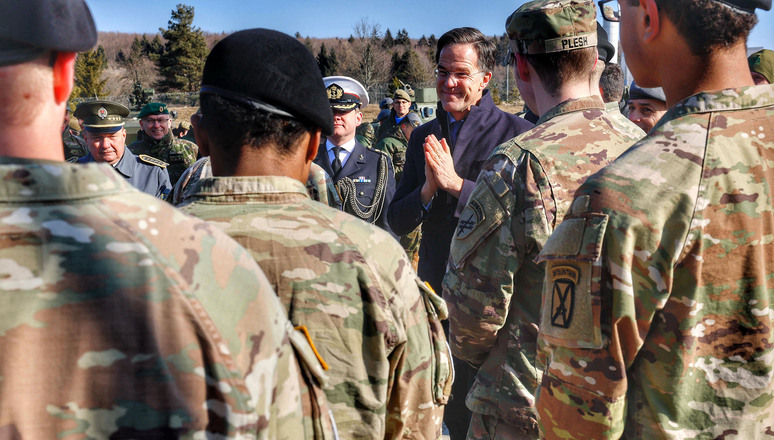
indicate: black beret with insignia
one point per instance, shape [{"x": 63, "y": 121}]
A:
[
  {"x": 271, "y": 72},
  {"x": 30, "y": 28}
]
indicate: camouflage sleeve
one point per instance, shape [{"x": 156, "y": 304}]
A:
[
  {"x": 609, "y": 268},
  {"x": 478, "y": 285},
  {"x": 422, "y": 374}
]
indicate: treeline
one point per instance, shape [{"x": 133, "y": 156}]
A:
[{"x": 139, "y": 66}]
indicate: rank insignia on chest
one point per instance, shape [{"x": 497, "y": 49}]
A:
[
  {"x": 471, "y": 217},
  {"x": 361, "y": 179},
  {"x": 563, "y": 282}
]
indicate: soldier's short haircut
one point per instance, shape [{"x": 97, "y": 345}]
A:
[
  {"x": 612, "y": 83},
  {"x": 485, "y": 48},
  {"x": 231, "y": 125},
  {"x": 706, "y": 25},
  {"x": 558, "y": 68}
]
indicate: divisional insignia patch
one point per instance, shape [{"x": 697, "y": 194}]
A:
[
  {"x": 563, "y": 279},
  {"x": 471, "y": 217}
]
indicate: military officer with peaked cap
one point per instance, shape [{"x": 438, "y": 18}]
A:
[
  {"x": 103, "y": 128},
  {"x": 364, "y": 177}
]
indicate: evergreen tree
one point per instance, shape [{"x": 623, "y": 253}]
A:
[
  {"x": 89, "y": 67},
  {"x": 402, "y": 38},
  {"x": 422, "y": 41},
  {"x": 298, "y": 35},
  {"x": 432, "y": 41},
  {"x": 408, "y": 67},
  {"x": 182, "y": 62},
  {"x": 309, "y": 45},
  {"x": 328, "y": 64},
  {"x": 388, "y": 42}
]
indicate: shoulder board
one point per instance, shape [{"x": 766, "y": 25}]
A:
[
  {"x": 374, "y": 150},
  {"x": 152, "y": 160}
]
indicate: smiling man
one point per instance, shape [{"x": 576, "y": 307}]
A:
[
  {"x": 156, "y": 140},
  {"x": 646, "y": 106},
  {"x": 105, "y": 135},
  {"x": 433, "y": 192}
]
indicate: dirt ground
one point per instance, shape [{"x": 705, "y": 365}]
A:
[{"x": 369, "y": 114}]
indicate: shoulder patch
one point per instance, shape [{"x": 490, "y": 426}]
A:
[
  {"x": 152, "y": 160},
  {"x": 563, "y": 282},
  {"x": 472, "y": 216}
]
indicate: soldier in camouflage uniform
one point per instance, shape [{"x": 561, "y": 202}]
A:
[
  {"x": 493, "y": 286},
  {"x": 121, "y": 317},
  {"x": 656, "y": 316},
  {"x": 347, "y": 282},
  {"x": 156, "y": 140},
  {"x": 74, "y": 144}
]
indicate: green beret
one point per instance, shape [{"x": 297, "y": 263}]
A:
[
  {"x": 101, "y": 116},
  {"x": 547, "y": 26},
  {"x": 763, "y": 62},
  {"x": 153, "y": 108}
]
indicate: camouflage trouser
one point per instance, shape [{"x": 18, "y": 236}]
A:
[
  {"x": 486, "y": 427},
  {"x": 410, "y": 243}
]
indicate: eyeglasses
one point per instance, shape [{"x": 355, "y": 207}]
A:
[
  {"x": 444, "y": 75},
  {"x": 610, "y": 10},
  {"x": 160, "y": 121}
]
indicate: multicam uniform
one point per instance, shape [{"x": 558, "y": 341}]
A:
[
  {"x": 657, "y": 318},
  {"x": 493, "y": 285},
  {"x": 74, "y": 145},
  {"x": 178, "y": 153},
  {"x": 351, "y": 285},
  {"x": 623, "y": 123},
  {"x": 123, "y": 318}
]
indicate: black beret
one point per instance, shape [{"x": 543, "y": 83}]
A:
[
  {"x": 30, "y": 28},
  {"x": 748, "y": 5},
  {"x": 270, "y": 71},
  {"x": 605, "y": 49}
]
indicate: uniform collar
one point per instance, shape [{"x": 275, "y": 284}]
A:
[
  {"x": 349, "y": 146},
  {"x": 245, "y": 189},
  {"x": 573, "y": 105},
  {"x": 125, "y": 165}
]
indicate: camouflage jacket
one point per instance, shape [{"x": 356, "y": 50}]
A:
[
  {"x": 493, "y": 286},
  {"x": 178, "y": 153},
  {"x": 353, "y": 288},
  {"x": 121, "y": 317},
  {"x": 396, "y": 149},
  {"x": 657, "y": 318},
  {"x": 74, "y": 145}
]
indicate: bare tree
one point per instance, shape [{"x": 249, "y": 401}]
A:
[{"x": 366, "y": 30}]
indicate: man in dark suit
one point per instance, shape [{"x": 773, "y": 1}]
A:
[
  {"x": 440, "y": 175},
  {"x": 364, "y": 177}
]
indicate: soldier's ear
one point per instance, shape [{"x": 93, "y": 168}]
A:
[
  {"x": 63, "y": 71},
  {"x": 313, "y": 144},
  {"x": 650, "y": 22}
]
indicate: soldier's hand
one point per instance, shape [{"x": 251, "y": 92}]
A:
[
  {"x": 430, "y": 187},
  {"x": 438, "y": 157}
]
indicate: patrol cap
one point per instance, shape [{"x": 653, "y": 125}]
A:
[
  {"x": 637, "y": 92},
  {"x": 605, "y": 49},
  {"x": 763, "y": 62},
  {"x": 101, "y": 116},
  {"x": 385, "y": 103},
  {"x": 401, "y": 94},
  {"x": 748, "y": 6},
  {"x": 153, "y": 108},
  {"x": 345, "y": 93},
  {"x": 382, "y": 114},
  {"x": 30, "y": 28},
  {"x": 271, "y": 72},
  {"x": 549, "y": 26}
]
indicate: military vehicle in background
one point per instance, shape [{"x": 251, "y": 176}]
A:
[{"x": 425, "y": 103}]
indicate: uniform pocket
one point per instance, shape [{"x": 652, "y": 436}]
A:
[{"x": 571, "y": 305}]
